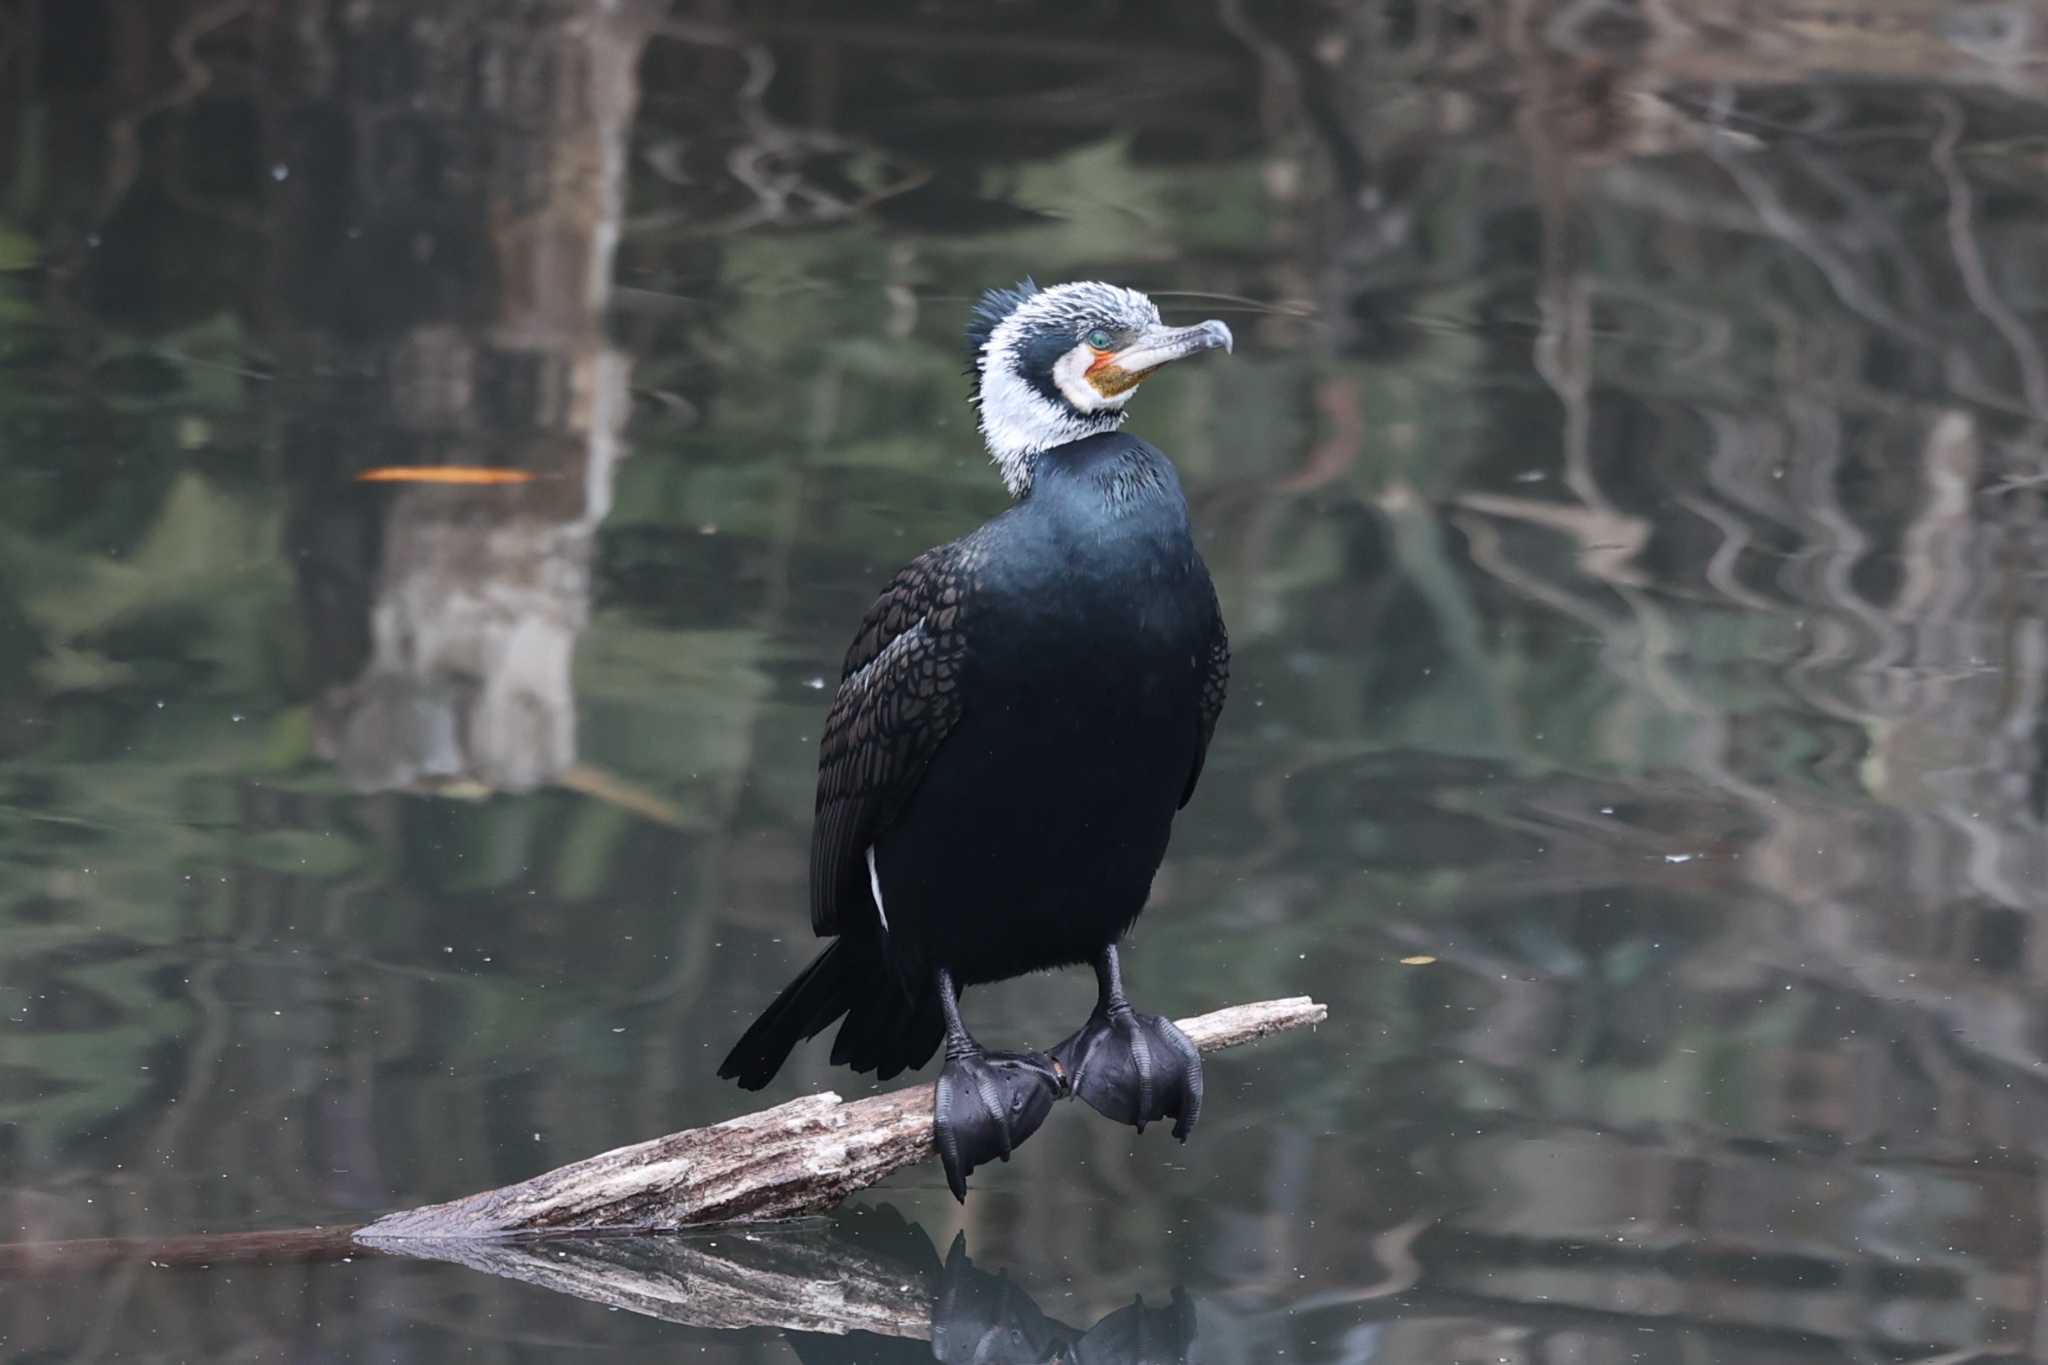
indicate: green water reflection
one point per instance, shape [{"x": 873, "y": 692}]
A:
[{"x": 1626, "y": 498}]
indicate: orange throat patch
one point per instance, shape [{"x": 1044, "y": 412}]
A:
[{"x": 1110, "y": 379}]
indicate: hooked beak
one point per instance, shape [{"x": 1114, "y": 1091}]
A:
[{"x": 1117, "y": 371}]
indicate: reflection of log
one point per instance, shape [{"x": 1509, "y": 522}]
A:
[
  {"x": 799, "y": 1157},
  {"x": 792, "y": 1278},
  {"x": 821, "y": 1284}
]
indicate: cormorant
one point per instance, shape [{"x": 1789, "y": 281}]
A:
[{"x": 1020, "y": 715}]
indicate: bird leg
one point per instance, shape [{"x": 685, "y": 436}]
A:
[
  {"x": 1132, "y": 1067},
  {"x": 988, "y": 1102}
]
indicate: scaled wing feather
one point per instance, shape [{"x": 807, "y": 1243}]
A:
[{"x": 898, "y": 699}]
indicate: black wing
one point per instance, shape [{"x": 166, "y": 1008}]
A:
[
  {"x": 1215, "y": 687},
  {"x": 898, "y": 699}
]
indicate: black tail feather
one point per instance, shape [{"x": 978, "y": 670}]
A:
[
  {"x": 804, "y": 1009},
  {"x": 885, "y": 1032}
]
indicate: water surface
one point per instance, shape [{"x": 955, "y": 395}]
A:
[{"x": 1626, "y": 499}]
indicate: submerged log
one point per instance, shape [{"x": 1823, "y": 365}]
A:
[
  {"x": 199, "y": 1250},
  {"x": 797, "y": 1158}
]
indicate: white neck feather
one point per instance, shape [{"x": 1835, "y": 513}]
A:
[{"x": 1018, "y": 422}]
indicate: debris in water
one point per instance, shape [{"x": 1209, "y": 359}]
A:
[{"x": 444, "y": 473}]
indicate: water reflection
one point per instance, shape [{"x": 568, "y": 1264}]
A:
[
  {"x": 869, "y": 1290},
  {"x": 982, "y": 1317},
  {"x": 1627, "y": 502},
  {"x": 446, "y": 273}
]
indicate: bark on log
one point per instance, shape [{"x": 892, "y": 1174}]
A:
[{"x": 797, "y": 1158}]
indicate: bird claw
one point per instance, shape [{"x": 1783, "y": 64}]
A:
[
  {"x": 987, "y": 1104},
  {"x": 1135, "y": 1068}
]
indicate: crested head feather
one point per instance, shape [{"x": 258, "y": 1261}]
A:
[{"x": 989, "y": 311}]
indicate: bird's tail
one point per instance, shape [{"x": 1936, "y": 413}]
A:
[{"x": 885, "y": 1031}]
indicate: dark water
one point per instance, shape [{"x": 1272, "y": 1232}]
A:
[{"x": 1626, "y": 498}]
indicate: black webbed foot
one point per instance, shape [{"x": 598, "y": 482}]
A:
[
  {"x": 988, "y": 1103},
  {"x": 1135, "y": 1068}
]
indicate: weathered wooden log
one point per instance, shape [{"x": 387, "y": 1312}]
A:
[{"x": 801, "y": 1157}]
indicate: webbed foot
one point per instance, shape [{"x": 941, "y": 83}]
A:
[
  {"x": 988, "y": 1103},
  {"x": 1135, "y": 1068}
]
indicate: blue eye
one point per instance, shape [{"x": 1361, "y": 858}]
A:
[{"x": 1099, "y": 339}]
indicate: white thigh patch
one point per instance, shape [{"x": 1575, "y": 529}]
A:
[{"x": 875, "y": 885}]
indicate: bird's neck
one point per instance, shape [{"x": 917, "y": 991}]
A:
[
  {"x": 1108, "y": 473},
  {"x": 1019, "y": 425}
]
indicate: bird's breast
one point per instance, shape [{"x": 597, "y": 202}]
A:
[{"x": 1103, "y": 637}]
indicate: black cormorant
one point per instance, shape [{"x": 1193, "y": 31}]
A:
[{"x": 1020, "y": 715}]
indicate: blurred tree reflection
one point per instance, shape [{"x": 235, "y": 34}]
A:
[{"x": 441, "y": 280}]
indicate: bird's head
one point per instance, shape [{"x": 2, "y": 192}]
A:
[{"x": 1053, "y": 365}]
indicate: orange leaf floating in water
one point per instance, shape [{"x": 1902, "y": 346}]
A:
[{"x": 444, "y": 473}]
